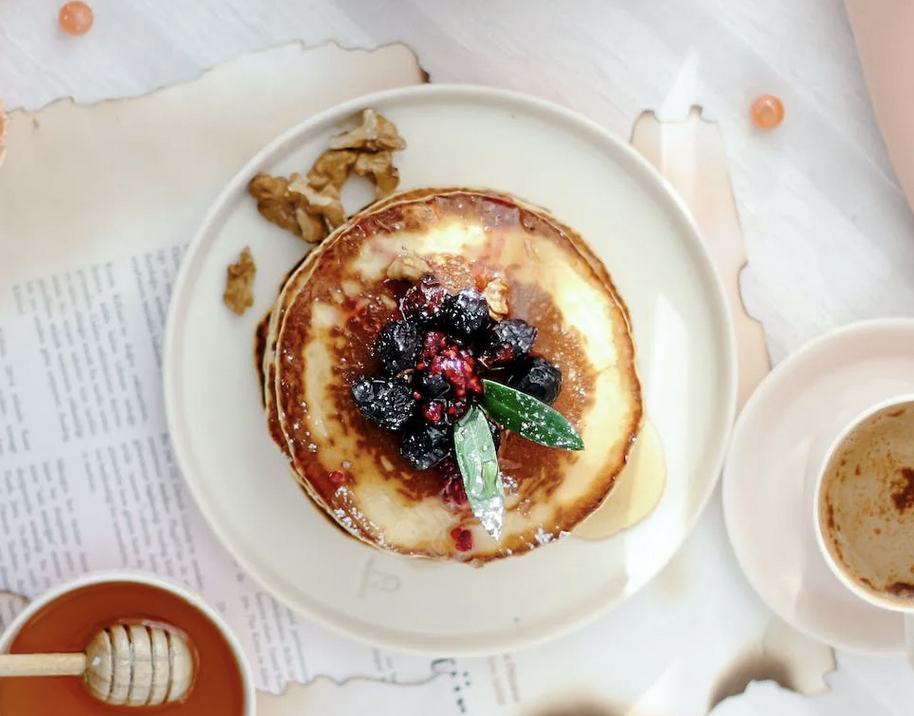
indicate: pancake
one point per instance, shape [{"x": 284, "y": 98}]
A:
[{"x": 318, "y": 337}]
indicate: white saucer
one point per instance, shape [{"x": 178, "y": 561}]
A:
[{"x": 778, "y": 444}]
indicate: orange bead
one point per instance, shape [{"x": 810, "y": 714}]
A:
[
  {"x": 767, "y": 112},
  {"x": 76, "y": 18}
]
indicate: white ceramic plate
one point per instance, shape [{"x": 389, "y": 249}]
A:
[
  {"x": 778, "y": 446},
  {"x": 587, "y": 178}
]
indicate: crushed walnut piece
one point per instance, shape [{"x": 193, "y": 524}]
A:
[
  {"x": 313, "y": 228},
  {"x": 274, "y": 202},
  {"x": 376, "y": 134},
  {"x": 325, "y": 202},
  {"x": 291, "y": 210},
  {"x": 379, "y": 167},
  {"x": 310, "y": 206},
  {"x": 496, "y": 293},
  {"x": 408, "y": 267},
  {"x": 332, "y": 167},
  {"x": 238, "y": 281}
]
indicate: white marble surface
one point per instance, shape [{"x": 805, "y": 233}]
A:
[{"x": 830, "y": 236}]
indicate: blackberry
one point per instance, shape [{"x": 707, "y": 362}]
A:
[
  {"x": 426, "y": 446},
  {"x": 537, "y": 377},
  {"x": 397, "y": 346},
  {"x": 431, "y": 386},
  {"x": 507, "y": 341},
  {"x": 386, "y": 403},
  {"x": 466, "y": 314},
  {"x": 424, "y": 302}
]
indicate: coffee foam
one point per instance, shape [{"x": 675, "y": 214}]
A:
[{"x": 866, "y": 505}]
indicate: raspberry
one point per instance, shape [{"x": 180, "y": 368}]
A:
[
  {"x": 507, "y": 341},
  {"x": 433, "y": 343},
  {"x": 463, "y": 539},
  {"x": 424, "y": 302},
  {"x": 397, "y": 346},
  {"x": 466, "y": 314},
  {"x": 456, "y": 409},
  {"x": 537, "y": 377},
  {"x": 386, "y": 403},
  {"x": 459, "y": 369},
  {"x": 453, "y": 490},
  {"x": 433, "y": 411}
]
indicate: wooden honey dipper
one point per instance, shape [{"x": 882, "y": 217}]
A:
[{"x": 129, "y": 665}]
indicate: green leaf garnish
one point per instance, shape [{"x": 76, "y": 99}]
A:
[
  {"x": 478, "y": 465},
  {"x": 528, "y": 417}
]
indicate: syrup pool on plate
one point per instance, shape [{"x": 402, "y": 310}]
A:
[
  {"x": 636, "y": 493},
  {"x": 66, "y": 624}
]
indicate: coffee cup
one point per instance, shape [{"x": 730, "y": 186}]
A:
[{"x": 864, "y": 508}]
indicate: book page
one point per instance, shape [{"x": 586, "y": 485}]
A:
[{"x": 88, "y": 480}]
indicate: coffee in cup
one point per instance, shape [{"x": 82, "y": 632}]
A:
[{"x": 865, "y": 506}]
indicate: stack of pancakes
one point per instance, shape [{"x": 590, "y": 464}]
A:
[{"x": 317, "y": 340}]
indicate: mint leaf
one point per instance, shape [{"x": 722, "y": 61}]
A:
[
  {"x": 478, "y": 465},
  {"x": 528, "y": 417}
]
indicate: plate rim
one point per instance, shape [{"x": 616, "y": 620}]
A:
[
  {"x": 728, "y": 489},
  {"x": 664, "y": 193}
]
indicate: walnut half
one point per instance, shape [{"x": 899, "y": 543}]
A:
[
  {"x": 379, "y": 167},
  {"x": 325, "y": 202},
  {"x": 239, "y": 278},
  {"x": 496, "y": 293},
  {"x": 375, "y": 135},
  {"x": 408, "y": 267},
  {"x": 283, "y": 203}
]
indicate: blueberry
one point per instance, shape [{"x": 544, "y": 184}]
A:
[
  {"x": 397, "y": 346},
  {"x": 386, "y": 403},
  {"x": 508, "y": 341},
  {"x": 424, "y": 302},
  {"x": 537, "y": 377},
  {"x": 426, "y": 446},
  {"x": 466, "y": 314}
]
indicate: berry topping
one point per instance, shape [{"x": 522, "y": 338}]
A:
[
  {"x": 466, "y": 314},
  {"x": 456, "y": 409},
  {"x": 426, "y": 446},
  {"x": 537, "y": 377},
  {"x": 434, "y": 411},
  {"x": 397, "y": 347},
  {"x": 431, "y": 386},
  {"x": 336, "y": 477},
  {"x": 433, "y": 343},
  {"x": 458, "y": 367},
  {"x": 463, "y": 539},
  {"x": 424, "y": 302},
  {"x": 507, "y": 341},
  {"x": 386, "y": 403},
  {"x": 453, "y": 490},
  {"x": 433, "y": 359}
]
